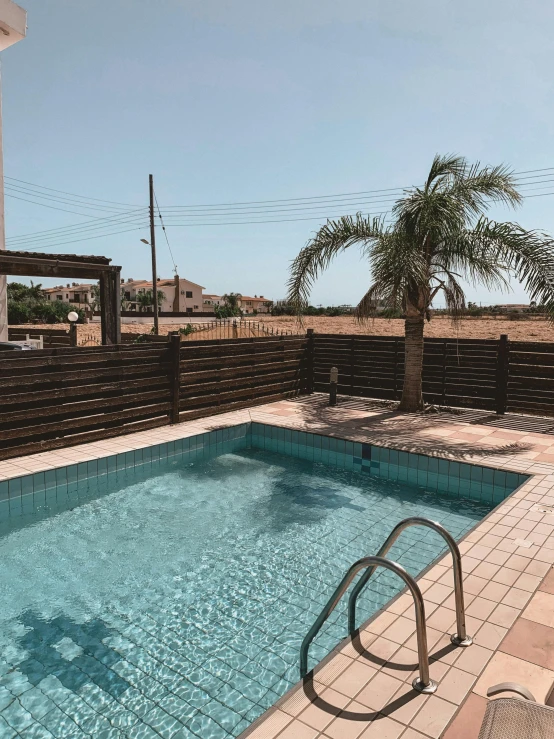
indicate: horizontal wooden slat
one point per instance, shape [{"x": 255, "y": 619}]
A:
[
  {"x": 34, "y": 415},
  {"x": 90, "y": 420},
  {"x": 78, "y": 438}
]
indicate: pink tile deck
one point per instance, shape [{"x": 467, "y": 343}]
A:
[{"x": 363, "y": 691}]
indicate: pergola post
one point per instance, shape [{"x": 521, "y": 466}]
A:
[{"x": 110, "y": 300}]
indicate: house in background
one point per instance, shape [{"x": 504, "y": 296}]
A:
[
  {"x": 249, "y": 305},
  {"x": 74, "y": 293},
  {"x": 180, "y": 295},
  {"x": 211, "y": 301}
]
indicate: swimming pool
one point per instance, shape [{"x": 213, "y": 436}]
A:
[{"x": 165, "y": 592}]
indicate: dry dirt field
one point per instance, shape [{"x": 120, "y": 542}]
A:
[{"x": 471, "y": 328}]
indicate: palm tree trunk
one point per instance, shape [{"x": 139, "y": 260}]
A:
[{"x": 412, "y": 395}]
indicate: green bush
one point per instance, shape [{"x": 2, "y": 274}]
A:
[
  {"x": 226, "y": 311},
  {"x": 18, "y": 312},
  {"x": 187, "y": 330},
  {"x": 29, "y": 305}
]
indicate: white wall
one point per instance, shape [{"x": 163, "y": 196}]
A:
[{"x": 13, "y": 21}]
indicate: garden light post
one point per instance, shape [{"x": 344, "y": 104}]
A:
[
  {"x": 73, "y": 317},
  {"x": 333, "y": 381}
]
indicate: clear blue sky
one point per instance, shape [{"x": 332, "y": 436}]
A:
[{"x": 258, "y": 100}]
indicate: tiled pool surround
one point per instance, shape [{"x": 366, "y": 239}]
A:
[
  {"x": 516, "y": 533},
  {"x": 24, "y": 494}
]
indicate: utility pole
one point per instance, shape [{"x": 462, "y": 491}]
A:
[{"x": 153, "y": 246}]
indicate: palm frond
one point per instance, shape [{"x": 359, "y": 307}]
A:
[
  {"x": 377, "y": 293},
  {"x": 454, "y": 296},
  {"x": 479, "y": 187},
  {"x": 468, "y": 254},
  {"x": 331, "y": 239},
  {"x": 529, "y": 255},
  {"x": 445, "y": 166}
]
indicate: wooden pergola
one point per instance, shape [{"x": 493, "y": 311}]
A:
[{"x": 32, "y": 264}]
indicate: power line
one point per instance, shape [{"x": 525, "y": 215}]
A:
[
  {"x": 55, "y": 238},
  {"x": 290, "y": 209},
  {"x": 89, "y": 238},
  {"x": 528, "y": 171},
  {"x": 278, "y": 220},
  {"x": 290, "y": 220},
  {"x": 64, "y": 201},
  {"x": 53, "y": 207},
  {"x": 94, "y": 223},
  {"x": 64, "y": 192},
  {"x": 262, "y": 208},
  {"x": 318, "y": 197},
  {"x": 376, "y": 201},
  {"x": 165, "y": 233}
]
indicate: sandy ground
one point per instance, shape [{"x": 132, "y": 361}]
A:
[{"x": 471, "y": 328}]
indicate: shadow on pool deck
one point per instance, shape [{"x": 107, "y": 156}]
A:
[{"x": 430, "y": 434}]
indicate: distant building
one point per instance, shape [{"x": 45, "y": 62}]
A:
[
  {"x": 180, "y": 295},
  {"x": 514, "y": 307},
  {"x": 256, "y": 304},
  {"x": 210, "y": 302},
  {"x": 74, "y": 293},
  {"x": 246, "y": 303}
]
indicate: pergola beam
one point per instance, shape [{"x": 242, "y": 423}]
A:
[{"x": 26, "y": 264}]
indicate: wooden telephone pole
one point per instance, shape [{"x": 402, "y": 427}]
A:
[{"x": 153, "y": 246}]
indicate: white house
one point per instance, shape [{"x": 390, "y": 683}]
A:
[
  {"x": 74, "y": 292},
  {"x": 180, "y": 295},
  {"x": 256, "y": 304},
  {"x": 246, "y": 303},
  {"x": 211, "y": 301}
]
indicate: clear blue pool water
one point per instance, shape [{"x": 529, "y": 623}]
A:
[{"x": 174, "y": 605}]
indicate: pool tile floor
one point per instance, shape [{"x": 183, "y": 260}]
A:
[{"x": 363, "y": 689}]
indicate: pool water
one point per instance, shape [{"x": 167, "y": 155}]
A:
[{"x": 174, "y": 605}]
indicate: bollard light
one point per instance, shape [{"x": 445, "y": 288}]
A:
[
  {"x": 72, "y": 316},
  {"x": 333, "y": 381}
]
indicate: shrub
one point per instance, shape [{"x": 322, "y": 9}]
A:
[{"x": 18, "y": 312}]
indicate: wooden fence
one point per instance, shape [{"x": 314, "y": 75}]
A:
[
  {"x": 69, "y": 395},
  {"x": 233, "y": 328},
  {"x": 51, "y": 336},
  {"x": 231, "y": 374},
  {"x": 496, "y": 375}
]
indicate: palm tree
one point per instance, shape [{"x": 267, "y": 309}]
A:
[
  {"x": 95, "y": 305},
  {"x": 145, "y": 299},
  {"x": 232, "y": 302},
  {"x": 438, "y": 237}
]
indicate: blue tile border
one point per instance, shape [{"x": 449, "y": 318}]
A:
[{"x": 435, "y": 474}]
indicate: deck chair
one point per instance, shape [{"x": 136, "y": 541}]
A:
[{"x": 513, "y": 718}]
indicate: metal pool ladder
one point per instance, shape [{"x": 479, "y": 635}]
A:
[{"x": 423, "y": 682}]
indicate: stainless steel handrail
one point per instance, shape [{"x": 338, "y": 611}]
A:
[
  {"x": 423, "y": 683},
  {"x": 461, "y": 638}
]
